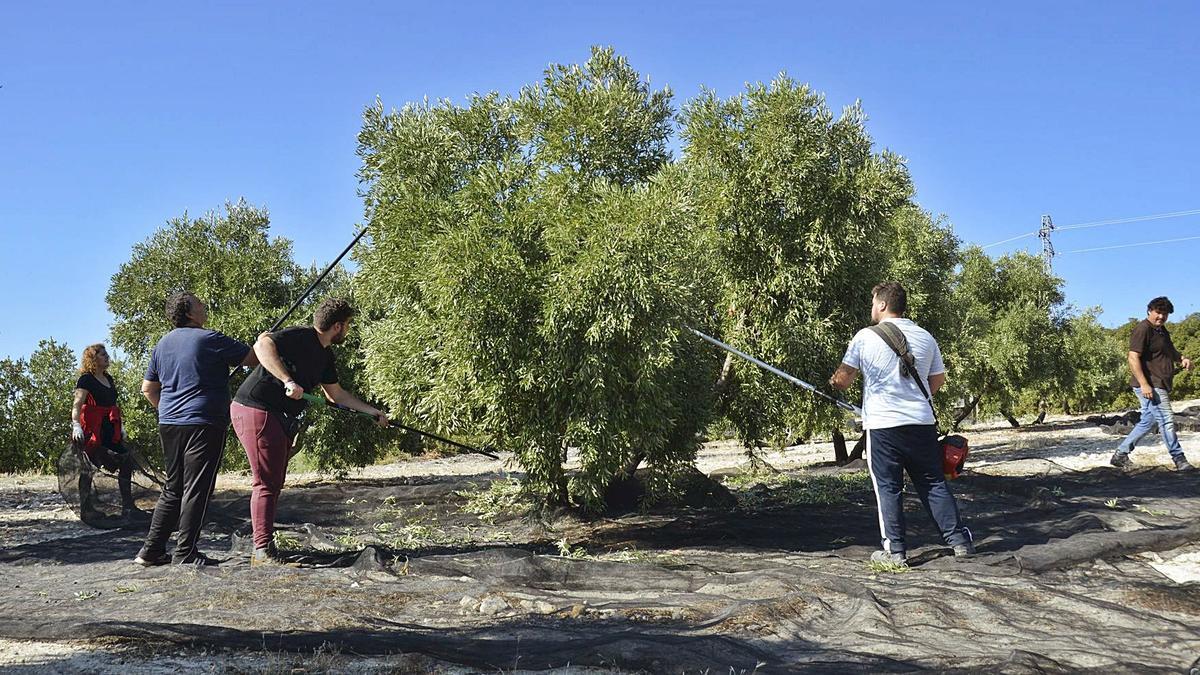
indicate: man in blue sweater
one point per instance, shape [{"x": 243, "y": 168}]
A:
[{"x": 187, "y": 381}]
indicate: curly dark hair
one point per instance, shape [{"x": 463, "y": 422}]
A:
[
  {"x": 331, "y": 311},
  {"x": 1162, "y": 304},
  {"x": 179, "y": 304}
]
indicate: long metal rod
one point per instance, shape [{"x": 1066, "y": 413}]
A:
[
  {"x": 320, "y": 400},
  {"x": 275, "y": 326},
  {"x": 844, "y": 405}
]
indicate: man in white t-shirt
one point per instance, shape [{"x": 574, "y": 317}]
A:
[{"x": 900, "y": 426}]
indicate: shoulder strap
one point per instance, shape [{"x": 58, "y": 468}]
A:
[{"x": 894, "y": 338}]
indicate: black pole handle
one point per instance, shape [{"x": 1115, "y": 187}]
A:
[
  {"x": 321, "y": 400},
  {"x": 275, "y": 326}
]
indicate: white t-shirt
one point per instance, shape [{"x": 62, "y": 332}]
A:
[{"x": 889, "y": 398}]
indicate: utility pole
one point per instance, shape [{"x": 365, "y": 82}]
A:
[{"x": 1044, "y": 235}]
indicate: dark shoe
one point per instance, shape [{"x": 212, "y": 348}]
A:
[
  {"x": 1181, "y": 464},
  {"x": 966, "y": 550},
  {"x": 268, "y": 556},
  {"x": 198, "y": 560},
  {"x": 888, "y": 557},
  {"x": 1121, "y": 460},
  {"x": 151, "y": 559},
  {"x": 134, "y": 513}
]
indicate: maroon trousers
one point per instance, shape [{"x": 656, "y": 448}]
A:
[{"x": 267, "y": 448}]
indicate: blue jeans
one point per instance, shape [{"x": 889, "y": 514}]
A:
[{"x": 1155, "y": 412}]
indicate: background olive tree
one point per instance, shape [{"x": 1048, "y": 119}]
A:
[
  {"x": 1011, "y": 320},
  {"x": 247, "y": 279},
  {"x": 35, "y": 407},
  {"x": 1089, "y": 372}
]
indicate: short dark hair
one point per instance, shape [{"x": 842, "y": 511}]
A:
[
  {"x": 1162, "y": 304},
  {"x": 893, "y": 294},
  {"x": 179, "y": 304},
  {"x": 331, "y": 311}
]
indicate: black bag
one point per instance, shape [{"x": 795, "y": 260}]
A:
[
  {"x": 290, "y": 423},
  {"x": 954, "y": 446}
]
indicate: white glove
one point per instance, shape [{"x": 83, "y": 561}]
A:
[
  {"x": 76, "y": 431},
  {"x": 293, "y": 390}
]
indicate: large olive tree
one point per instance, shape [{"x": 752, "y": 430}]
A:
[
  {"x": 531, "y": 262},
  {"x": 799, "y": 207}
]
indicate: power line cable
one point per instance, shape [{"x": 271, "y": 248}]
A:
[
  {"x": 1098, "y": 223},
  {"x": 1143, "y": 243},
  {"x": 1019, "y": 236},
  {"x": 1123, "y": 220}
]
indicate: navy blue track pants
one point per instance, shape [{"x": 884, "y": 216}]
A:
[{"x": 913, "y": 449}]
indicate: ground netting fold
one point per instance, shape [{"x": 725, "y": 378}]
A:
[
  {"x": 1187, "y": 419},
  {"x": 397, "y": 565}
]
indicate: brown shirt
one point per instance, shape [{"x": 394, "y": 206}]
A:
[{"x": 1158, "y": 354}]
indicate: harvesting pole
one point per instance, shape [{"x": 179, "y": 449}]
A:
[
  {"x": 303, "y": 296},
  {"x": 844, "y": 405},
  {"x": 322, "y": 401}
]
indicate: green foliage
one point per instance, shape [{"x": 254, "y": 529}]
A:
[
  {"x": 923, "y": 255},
  {"x": 35, "y": 407},
  {"x": 787, "y": 489},
  {"x": 598, "y": 120},
  {"x": 1186, "y": 336},
  {"x": 529, "y": 267},
  {"x": 799, "y": 207},
  {"x": 226, "y": 259},
  {"x": 1090, "y": 372},
  {"x": 503, "y": 498},
  {"x": 1011, "y": 324},
  {"x": 887, "y": 567},
  {"x": 139, "y": 421}
]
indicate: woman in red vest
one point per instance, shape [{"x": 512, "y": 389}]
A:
[{"x": 96, "y": 426}]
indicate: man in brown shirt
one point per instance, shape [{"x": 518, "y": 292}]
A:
[{"x": 1152, "y": 360}]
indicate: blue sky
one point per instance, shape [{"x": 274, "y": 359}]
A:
[{"x": 115, "y": 117}]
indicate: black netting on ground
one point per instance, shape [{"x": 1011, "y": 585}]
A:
[
  {"x": 94, "y": 493},
  {"x": 1187, "y": 419},
  {"x": 388, "y": 566}
]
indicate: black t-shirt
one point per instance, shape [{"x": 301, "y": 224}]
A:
[
  {"x": 310, "y": 364},
  {"x": 1158, "y": 354},
  {"x": 104, "y": 396}
]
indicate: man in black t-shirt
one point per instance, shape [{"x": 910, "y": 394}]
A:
[
  {"x": 1152, "y": 361},
  {"x": 267, "y": 406}
]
